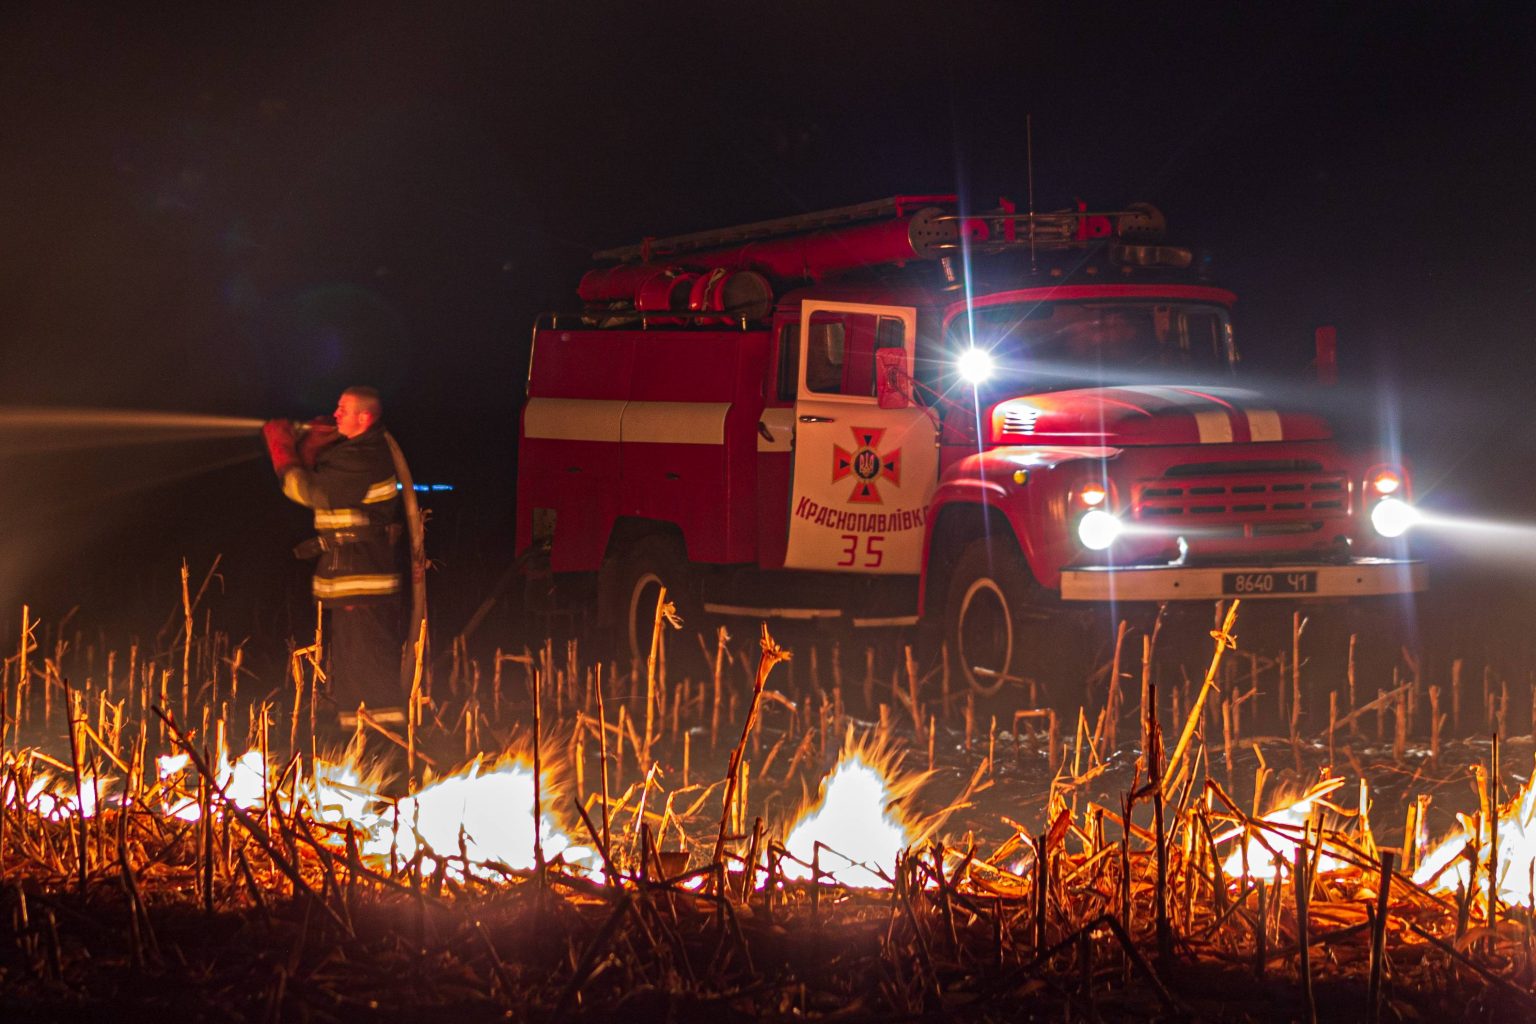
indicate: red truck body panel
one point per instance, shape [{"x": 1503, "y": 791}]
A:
[{"x": 668, "y": 436}]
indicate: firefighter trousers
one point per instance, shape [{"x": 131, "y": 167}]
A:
[{"x": 365, "y": 655}]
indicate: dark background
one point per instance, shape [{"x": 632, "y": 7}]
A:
[{"x": 240, "y": 212}]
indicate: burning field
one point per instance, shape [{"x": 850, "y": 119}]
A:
[{"x": 549, "y": 839}]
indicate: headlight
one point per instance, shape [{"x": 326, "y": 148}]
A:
[
  {"x": 1097, "y": 529},
  {"x": 1092, "y": 495},
  {"x": 975, "y": 365},
  {"x": 1392, "y": 516}
]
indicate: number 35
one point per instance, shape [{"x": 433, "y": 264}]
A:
[{"x": 874, "y": 550}]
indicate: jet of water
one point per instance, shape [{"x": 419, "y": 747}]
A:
[{"x": 32, "y": 429}]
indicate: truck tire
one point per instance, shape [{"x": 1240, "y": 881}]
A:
[
  {"x": 647, "y": 566},
  {"x": 987, "y": 618},
  {"x": 1003, "y": 627}
]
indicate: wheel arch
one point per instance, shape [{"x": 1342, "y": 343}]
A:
[
  {"x": 627, "y": 532},
  {"x": 954, "y": 526}
]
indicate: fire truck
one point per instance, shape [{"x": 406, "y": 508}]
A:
[{"x": 903, "y": 413}]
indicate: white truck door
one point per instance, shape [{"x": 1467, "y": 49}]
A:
[{"x": 863, "y": 473}]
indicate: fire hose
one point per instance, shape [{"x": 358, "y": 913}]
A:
[{"x": 417, "y": 533}]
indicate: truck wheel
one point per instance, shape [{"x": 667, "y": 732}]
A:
[
  {"x": 643, "y": 570},
  {"x": 986, "y": 622}
]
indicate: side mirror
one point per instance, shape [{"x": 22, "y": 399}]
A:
[
  {"x": 893, "y": 385},
  {"x": 1326, "y": 340}
]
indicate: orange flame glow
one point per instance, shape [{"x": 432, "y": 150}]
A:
[
  {"x": 1270, "y": 852},
  {"x": 1446, "y": 868},
  {"x": 479, "y": 820},
  {"x": 859, "y": 840}
]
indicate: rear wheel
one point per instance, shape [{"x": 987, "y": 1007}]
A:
[{"x": 647, "y": 566}]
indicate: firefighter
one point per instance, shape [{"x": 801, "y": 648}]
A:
[{"x": 346, "y": 474}]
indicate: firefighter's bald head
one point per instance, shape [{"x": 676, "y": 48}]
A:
[{"x": 358, "y": 409}]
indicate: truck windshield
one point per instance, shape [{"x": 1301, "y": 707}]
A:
[{"x": 1056, "y": 345}]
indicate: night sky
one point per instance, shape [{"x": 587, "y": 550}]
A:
[{"x": 238, "y": 211}]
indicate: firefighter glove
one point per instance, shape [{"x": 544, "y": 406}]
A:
[
  {"x": 314, "y": 547},
  {"x": 315, "y": 436},
  {"x": 281, "y": 445}
]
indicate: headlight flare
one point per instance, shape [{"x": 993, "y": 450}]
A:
[
  {"x": 1391, "y": 517},
  {"x": 1505, "y": 545},
  {"x": 1098, "y": 529},
  {"x": 974, "y": 366}
]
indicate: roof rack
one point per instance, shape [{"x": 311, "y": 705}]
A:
[
  {"x": 1006, "y": 228},
  {"x": 987, "y": 231}
]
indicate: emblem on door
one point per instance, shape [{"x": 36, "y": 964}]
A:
[{"x": 867, "y": 465}]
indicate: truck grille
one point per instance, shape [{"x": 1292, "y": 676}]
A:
[
  {"x": 1281, "y": 493},
  {"x": 1020, "y": 421}
]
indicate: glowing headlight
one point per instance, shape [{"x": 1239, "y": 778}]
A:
[
  {"x": 975, "y": 365},
  {"x": 1098, "y": 529},
  {"x": 1392, "y": 516},
  {"x": 1092, "y": 495}
]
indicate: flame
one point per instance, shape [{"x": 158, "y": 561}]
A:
[
  {"x": 858, "y": 837},
  {"x": 1446, "y": 869},
  {"x": 1283, "y": 841},
  {"x": 341, "y": 792},
  {"x": 478, "y": 820},
  {"x": 53, "y": 799},
  {"x": 243, "y": 782},
  {"x": 482, "y": 819}
]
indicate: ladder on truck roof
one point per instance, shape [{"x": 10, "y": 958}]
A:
[
  {"x": 993, "y": 230},
  {"x": 878, "y": 209}
]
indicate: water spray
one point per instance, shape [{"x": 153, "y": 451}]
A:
[
  {"x": 27, "y": 430},
  {"x": 57, "y": 418}
]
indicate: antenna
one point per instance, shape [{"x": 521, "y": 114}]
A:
[{"x": 1029, "y": 162}]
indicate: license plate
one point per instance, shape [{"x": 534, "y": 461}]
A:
[{"x": 1268, "y": 584}]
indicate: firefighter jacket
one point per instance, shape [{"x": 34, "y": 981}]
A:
[{"x": 353, "y": 491}]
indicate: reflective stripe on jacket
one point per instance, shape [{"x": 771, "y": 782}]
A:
[
  {"x": 334, "y": 588},
  {"x": 355, "y": 496}
]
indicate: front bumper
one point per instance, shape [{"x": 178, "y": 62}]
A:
[{"x": 1363, "y": 577}]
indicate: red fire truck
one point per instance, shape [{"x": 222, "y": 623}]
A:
[{"x": 902, "y": 412}]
